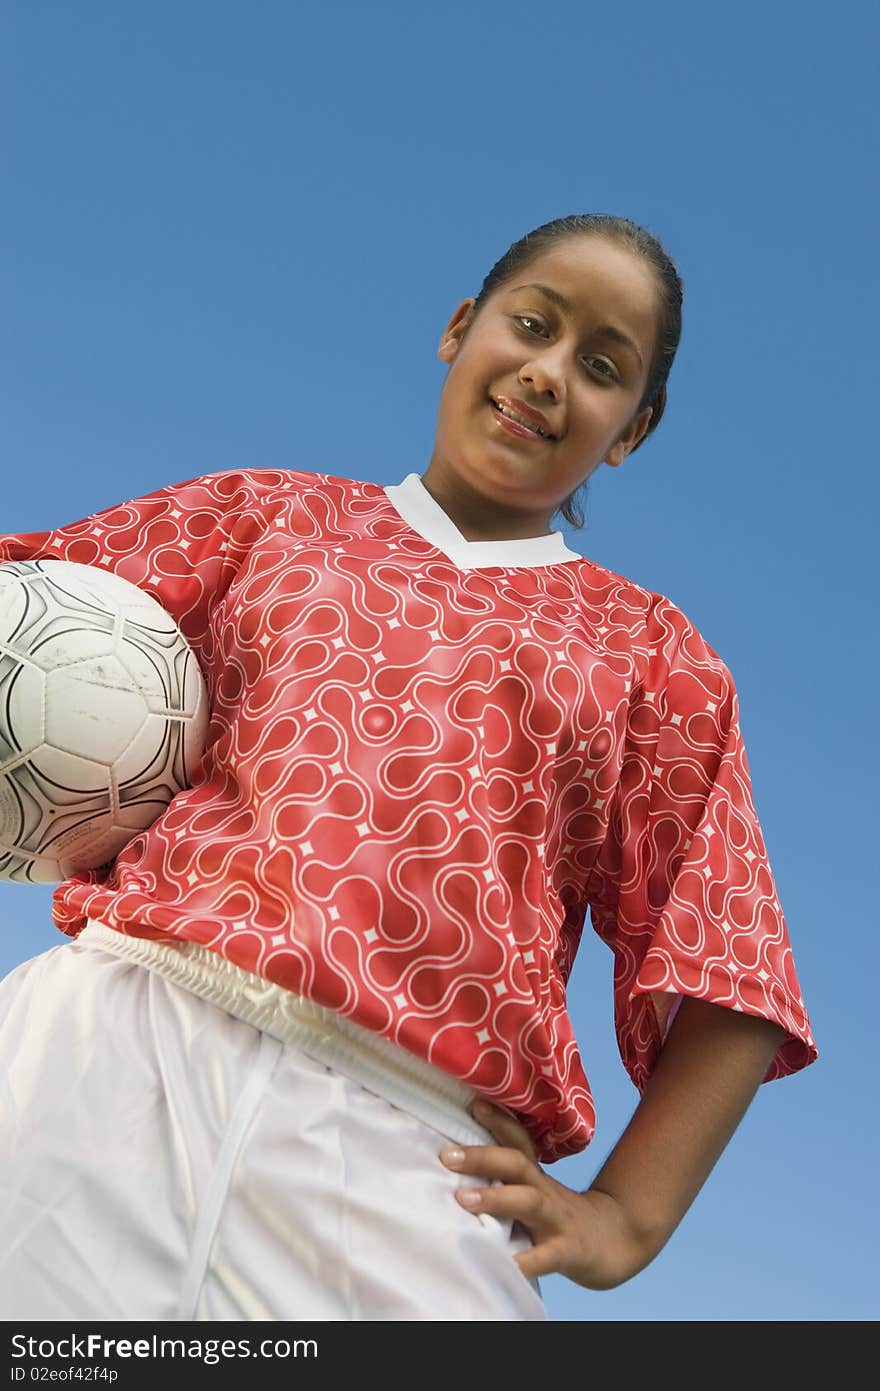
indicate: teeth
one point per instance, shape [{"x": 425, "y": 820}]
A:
[{"x": 512, "y": 415}]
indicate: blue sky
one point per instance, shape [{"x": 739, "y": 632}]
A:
[{"x": 232, "y": 236}]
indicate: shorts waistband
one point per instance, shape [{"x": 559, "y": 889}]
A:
[{"x": 381, "y": 1066}]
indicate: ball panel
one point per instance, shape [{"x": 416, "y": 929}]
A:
[
  {"x": 140, "y": 807},
  {"x": 93, "y": 710},
  {"x": 58, "y": 779},
  {"x": 57, "y": 644},
  {"x": 53, "y": 612},
  {"x": 10, "y": 748},
  {"x": 192, "y": 697},
  {"x": 149, "y": 660},
  {"x": 21, "y": 812},
  {"x": 99, "y": 842},
  {"x": 18, "y": 868},
  {"x": 149, "y": 753},
  {"x": 23, "y": 719},
  {"x": 76, "y": 587},
  {"x": 13, "y": 606}
]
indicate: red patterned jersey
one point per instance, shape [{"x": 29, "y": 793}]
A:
[{"x": 427, "y": 759}]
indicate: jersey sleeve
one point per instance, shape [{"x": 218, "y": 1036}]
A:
[
  {"x": 682, "y": 890},
  {"x": 182, "y": 544}
]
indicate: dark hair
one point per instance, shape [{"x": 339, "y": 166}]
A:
[{"x": 670, "y": 292}]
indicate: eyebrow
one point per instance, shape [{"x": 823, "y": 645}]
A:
[{"x": 608, "y": 329}]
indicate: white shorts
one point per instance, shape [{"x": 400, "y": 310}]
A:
[{"x": 161, "y": 1159}]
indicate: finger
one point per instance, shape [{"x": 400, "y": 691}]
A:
[
  {"x": 544, "y": 1258},
  {"x": 503, "y": 1126},
  {"x": 512, "y": 1202},
  {"x": 492, "y": 1161},
  {"x": 486, "y": 1110}
]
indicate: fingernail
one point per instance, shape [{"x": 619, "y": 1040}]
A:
[
  {"x": 484, "y": 1110},
  {"x": 471, "y": 1199},
  {"x": 452, "y": 1156}
]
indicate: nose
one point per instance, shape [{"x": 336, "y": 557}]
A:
[{"x": 546, "y": 373}]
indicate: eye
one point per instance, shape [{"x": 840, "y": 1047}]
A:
[
  {"x": 526, "y": 319},
  {"x": 609, "y": 374}
]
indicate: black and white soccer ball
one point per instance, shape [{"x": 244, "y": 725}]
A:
[{"x": 103, "y": 716}]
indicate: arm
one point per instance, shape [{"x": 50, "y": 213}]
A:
[
  {"x": 708, "y": 1072},
  {"x": 711, "y": 1065}
]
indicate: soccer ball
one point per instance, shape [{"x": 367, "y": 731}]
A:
[{"x": 103, "y": 717}]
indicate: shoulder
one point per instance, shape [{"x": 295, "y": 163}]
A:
[
  {"x": 227, "y": 482},
  {"x": 662, "y": 635},
  {"x": 245, "y": 488}
]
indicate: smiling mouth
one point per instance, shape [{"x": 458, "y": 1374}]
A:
[{"x": 508, "y": 414}]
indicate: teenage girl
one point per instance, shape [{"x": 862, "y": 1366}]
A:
[{"x": 250, "y": 1086}]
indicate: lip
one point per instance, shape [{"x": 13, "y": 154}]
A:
[{"x": 528, "y": 412}]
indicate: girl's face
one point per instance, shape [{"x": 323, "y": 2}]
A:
[{"x": 579, "y": 356}]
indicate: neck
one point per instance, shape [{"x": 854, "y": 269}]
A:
[{"x": 477, "y": 517}]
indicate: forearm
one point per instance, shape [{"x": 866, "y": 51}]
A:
[{"x": 712, "y": 1063}]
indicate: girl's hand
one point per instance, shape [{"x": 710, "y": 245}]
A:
[{"x": 584, "y": 1236}]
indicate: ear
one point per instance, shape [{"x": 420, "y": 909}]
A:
[
  {"x": 632, "y": 435},
  {"x": 455, "y": 330}
]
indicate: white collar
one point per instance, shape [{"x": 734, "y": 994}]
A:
[{"x": 425, "y": 515}]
